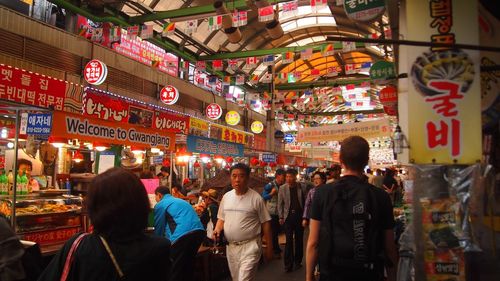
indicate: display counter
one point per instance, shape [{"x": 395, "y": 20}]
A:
[{"x": 46, "y": 218}]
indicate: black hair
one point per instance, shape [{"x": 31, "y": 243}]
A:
[
  {"x": 354, "y": 153},
  {"x": 165, "y": 169},
  {"x": 24, "y": 162},
  {"x": 292, "y": 172},
  {"x": 280, "y": 172},
  {"x": 321, "y": 174},
  {"x": 162, "y": 190},
  {"x": 240, "y": 166},
  {"x": 117, "y": 203}
]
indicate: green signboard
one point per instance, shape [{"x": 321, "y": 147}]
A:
[
  {"x": 382, "y": 71},
  {"x": 364, "y": 10}
]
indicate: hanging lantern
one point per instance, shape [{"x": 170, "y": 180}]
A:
[
  {"x": 77, "y": 157},
  {"x": 229, "y": 160},
  {"x": 166, "y": 163},
  {"x": 196, "y": 164},
  {"x": 254, "y": 161},
  {"x": 263, "y": 164},
  {"x": 272, "y": 164},
  {"x": 209, "y": 165}
]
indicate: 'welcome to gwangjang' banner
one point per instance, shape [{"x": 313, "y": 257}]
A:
[{"x": 368, "y": 130}]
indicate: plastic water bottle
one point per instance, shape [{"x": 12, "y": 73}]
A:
[{"x": 19, "y": 185}]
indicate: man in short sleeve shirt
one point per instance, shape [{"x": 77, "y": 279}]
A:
[
  {"x": 354, "y": 157},
  {"x": 244, "y": 218}
]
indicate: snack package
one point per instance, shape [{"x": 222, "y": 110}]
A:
[{"x": 444, "y": 258}]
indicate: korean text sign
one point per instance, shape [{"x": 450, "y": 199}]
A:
[
  {"x": 368, "y": 129},
  {"x": 445, "y": 114},
  {"x": 210, "y": 146},
  {"x": 31, "y": 88},
  {"x": 90, "y": 129},
  {"x": 39, "y": 124}
]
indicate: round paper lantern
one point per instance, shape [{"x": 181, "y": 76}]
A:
[
  {"x": 232, "y": 118},
  {"x": 196, "y": 164},
  {"x": 166, "y": 163},
  {"x": 169, "y": 95},
  {"x": 272, "y": 164},
  {"x": 254, "y": 161},
  {"x": 263, "y": 164},
  {"x": 257, "y": 127},
  {"x": 208, "y": 165},
  {"x": 229, "y": 159},
  {"x": 388, "y": 96}
]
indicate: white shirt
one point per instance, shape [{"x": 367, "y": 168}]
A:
[{"x": 242, "y": 215}]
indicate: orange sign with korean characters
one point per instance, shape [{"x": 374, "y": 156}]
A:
[
  {"x": 444, "y": 96},
  {"x": 73, "y": 126}
]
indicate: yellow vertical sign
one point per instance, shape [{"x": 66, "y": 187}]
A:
[
  {"x": 29, "y": 2},
  {"x": 444, "y": 87}
]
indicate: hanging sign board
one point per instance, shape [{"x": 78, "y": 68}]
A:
[
  {"x": 73, "y": 126},
  {"x": 381, "y": 71},
  {"x": 213, "y": 111},
  {"x": 257, "y": 127},
  {"x": 268, "y": 157},
  {"x": 169, "y": 95},
  {"x": 443, "y": 95},
  {"x": 366, "y": 129},
  {"x": 204, "y": 145},
  {"x": 232, "y": 118},
  {"x": 95, "y": 72},
  {"x": 388, "y": 96},
  {"x": 364, "y": 10},
  {"x": 36, "y": 124},
  {"x": 30, "y": 88}
]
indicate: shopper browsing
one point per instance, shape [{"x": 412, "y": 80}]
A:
[
  {"x": 118, "y": 207},
  {"x": 270, "y": 195},
  {"x": 177, "y": 220},
  {"x": 351, "y": 227},
  {"x": 244, "y": 218},
  {"x": 291, "y": 198}
]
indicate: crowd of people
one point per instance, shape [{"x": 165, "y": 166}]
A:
[{"x": 349, "y": 218}]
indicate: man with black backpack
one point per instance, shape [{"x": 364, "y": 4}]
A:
[{"x": 351, "y": 226}]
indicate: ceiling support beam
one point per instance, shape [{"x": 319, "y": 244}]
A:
[
  {"x": 193, "y": 12},
  {"x": 319, "y": 83},
  {"x": 343, "y": 112},
  {"x": 274, "y": 51}
]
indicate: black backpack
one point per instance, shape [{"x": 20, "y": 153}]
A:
[{"x": 350, "y": 236}]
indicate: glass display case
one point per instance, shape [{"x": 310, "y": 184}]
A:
[{"x": 47, "y": 218}]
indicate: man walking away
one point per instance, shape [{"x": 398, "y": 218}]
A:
[
  {"x": 176, "y": 220},
  {"x": 243, "y": 217},
  {"x": 351, "y": 227},
  {"x": 291, "y": 198},
  {"x": 270, "y": 195}
]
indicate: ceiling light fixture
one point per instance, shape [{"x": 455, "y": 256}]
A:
[{"x": 233, "y": 33}]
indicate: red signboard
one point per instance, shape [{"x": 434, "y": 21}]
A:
[
  {"x": 388, "y": 96},
  {"x": 31, "y": 88},
  {"x": 171, "y": 122},
  {"x": 105, "y": 107},
  {"x": 259, "y": 142},
  {"x": 169, "y": 95},
  {"x": 51, "y": 236},
  {"x": 95, "y": 72},
  {"x": 213, "y": 111}
]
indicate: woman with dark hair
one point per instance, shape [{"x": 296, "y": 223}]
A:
[
  {"x": 390, "y": 184},
  {"x": 319, "y": 178},
  {"x": 118, "y": 249}
]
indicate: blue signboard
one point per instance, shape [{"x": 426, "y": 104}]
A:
[
  {"x": 289, "y": 138},
  {"x": 39, "y": 124},
  {"x": 268, "y": 157},
  {"x": 210, "y": 146}
]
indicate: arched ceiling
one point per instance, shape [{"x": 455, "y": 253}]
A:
[{"x": 306, "y": 28}]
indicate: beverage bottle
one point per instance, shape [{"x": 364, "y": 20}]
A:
[
  {"x": 4, "y": 184},
  {"x": 24, "y": 185},
  {"x": 67, "y": 185},
  {"x": 10, "y": 180},
  {"x": 19, "y": 185}
]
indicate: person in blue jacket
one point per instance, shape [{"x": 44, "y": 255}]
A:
[
  {"x": 176, "y": 220},
  {"x": 270, "y": 196}
]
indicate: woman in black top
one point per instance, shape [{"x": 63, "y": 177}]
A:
[{"x": 118, "y": 208}]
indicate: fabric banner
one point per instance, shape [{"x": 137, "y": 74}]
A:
[
  {"x": 444, "y": 92},
  {"x": 73, "y": 126},
  {"x": 368, "y": 130},
  {"x": 26, "y": 87},
  {"x": 210, "y": 146}
]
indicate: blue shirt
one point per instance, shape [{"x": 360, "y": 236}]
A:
[{"x": 174, "y": 218}]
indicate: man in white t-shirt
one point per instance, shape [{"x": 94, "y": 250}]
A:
[{"x": 243, "y": 216}]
